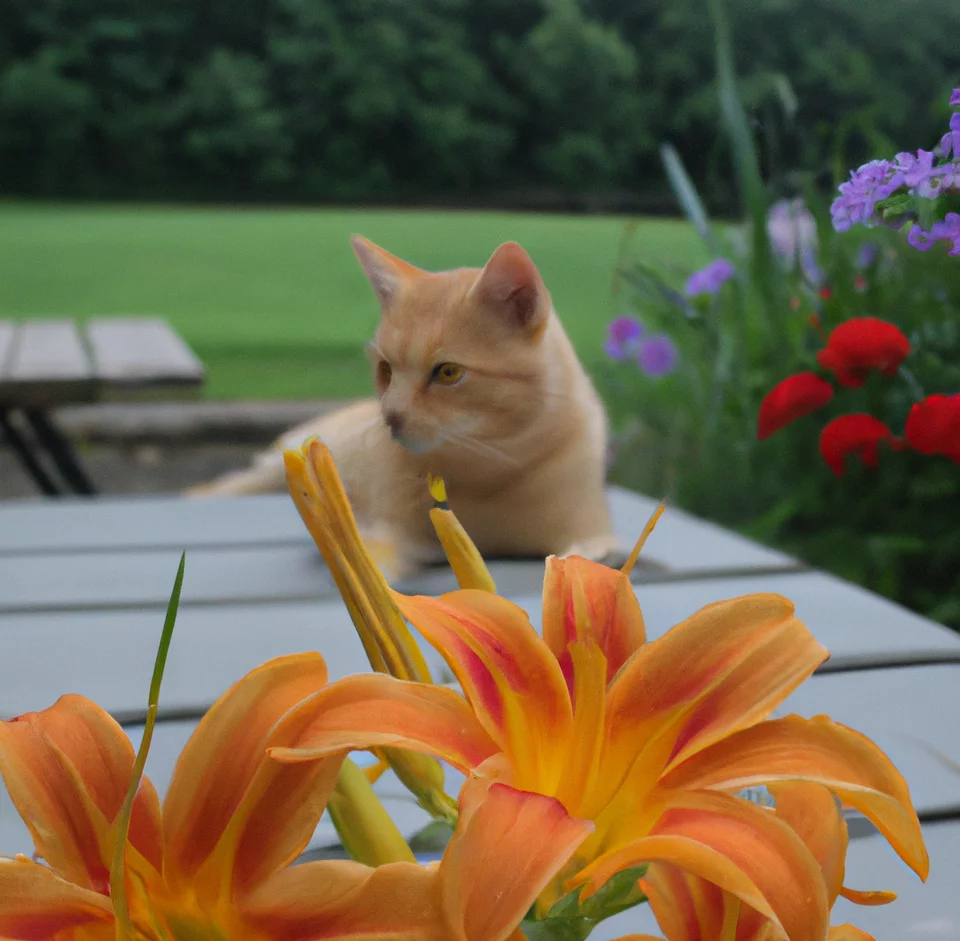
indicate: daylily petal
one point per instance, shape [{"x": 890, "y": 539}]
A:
[
  {"x": 36, "y": 904},
  {"x": 370, "y": 710},
  {"x": 739, "y": 847},
  {"x": 341, "y": 899},
  {"x": 848, "y": 933},
  {"x": 67, "y": 770},
  {"x": 507, "y": 848},
  {"x": 638, "y": 937},
  {"x": 686, "y": 907},
  {"x": 465, "y": 560},
  {"x": 318, "y": 493},
  {"x": 507, "y": 672},
  {"x": 725, "y": 668},
  {"x": 220, "y": 761},
  {"x": 590, "y": 602},
  {"x": 870, "y": 898},
  {"x": 814, "y": 815},
  {"x": 821, "y": 751},
  {"x": 146, "y": 825},
  {"x": 578, "y": 785},
  {"x": 508, "y": 845}
]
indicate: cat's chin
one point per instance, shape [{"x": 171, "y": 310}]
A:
[{"x": 419, "y": 447}]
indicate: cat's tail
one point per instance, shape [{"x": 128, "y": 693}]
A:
[
  {"x": 266, "y": 473},
  {"x": 349, "y": 428},
  {"x": 265, "y": 476}
]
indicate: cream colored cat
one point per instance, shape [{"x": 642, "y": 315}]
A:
[{"x": 476, "y": 382}]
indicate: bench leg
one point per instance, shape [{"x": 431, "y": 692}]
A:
[
  {"x": 29, "y": 460},
  {"x": 61, "y": 451}
]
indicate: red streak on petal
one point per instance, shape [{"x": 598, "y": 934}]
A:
[{"x": 484, "y": 683}]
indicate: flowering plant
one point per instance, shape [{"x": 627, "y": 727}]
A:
[
  {"x": 853, "y": 350},
  {"x": 920, "y": 191},
  {"x": 603, "y": 771},
  {"x": 693, "y": 434}
]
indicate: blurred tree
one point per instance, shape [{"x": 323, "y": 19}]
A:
[{"x": 372, "y": 99}]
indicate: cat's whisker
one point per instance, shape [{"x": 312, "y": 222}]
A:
[{"x": 479, "y": 447}]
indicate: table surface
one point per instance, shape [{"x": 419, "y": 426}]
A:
[
  {"x": 54, "y": 362},
  {"x": 84, "y": 584}
]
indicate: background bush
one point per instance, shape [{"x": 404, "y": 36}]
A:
[{"x": 510, "y": 101}]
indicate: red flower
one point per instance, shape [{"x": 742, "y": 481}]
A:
[
  {"x": 933, "y": 426},
  {"x": 863, "y": 344},
  {"x": 854, "y": 434},
  {"x": 860, "y": 283},
  {"x": 791, "y": 399},
  {"x": 826, "y": 293}
]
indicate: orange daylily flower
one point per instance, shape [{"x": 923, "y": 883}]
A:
[
  {"x": 215, "y": 862},
  {"x": 648, "y": 740},
  {"x": 688, "y": 908}
]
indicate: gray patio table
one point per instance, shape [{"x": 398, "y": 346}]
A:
[
  {"x": 48, "y": 363},
  {"x": 83, "y": 587}
]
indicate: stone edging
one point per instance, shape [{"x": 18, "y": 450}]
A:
[{"x": 234, "y": 422}]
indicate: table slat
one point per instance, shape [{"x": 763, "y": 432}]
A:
[
  {"x": 7, "y": 333},
  {"x": 49, "y": 364},
  {"x": 144, "y": 351},
  {"x": 47, "y": 653},
  {"x": 680, "y": 547},
  {"x": 684, "y": 543},
  {"x": 858, "y": 627},
  {"x": 108, "y": 655}
]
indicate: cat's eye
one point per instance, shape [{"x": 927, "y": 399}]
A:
[
  {"x": 384, "y": 373},
  {"x": 447, "y": 374}
]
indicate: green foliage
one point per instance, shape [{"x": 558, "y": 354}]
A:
[
  {"x": 571, "y": 919},
  {"x": 367, "y": 99},
  {"x": 273, "y": 300},
  {"x": 692, "y": 435}
]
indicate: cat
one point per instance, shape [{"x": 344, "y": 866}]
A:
[{"x": 477, "y": 383}]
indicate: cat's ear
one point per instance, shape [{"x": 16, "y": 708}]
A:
[
  {"x": 511, "y": 285},
  {"x": 385, "y": 272}
]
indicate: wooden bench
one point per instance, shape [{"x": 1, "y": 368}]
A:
[
  {"x": 48, "y": 363},
  {"x": 83, "y": 586}
]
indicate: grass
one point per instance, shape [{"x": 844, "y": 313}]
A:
[{"x": 272, "y": 299}]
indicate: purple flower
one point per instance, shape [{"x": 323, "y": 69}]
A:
[
  {"x": 949, "y": 231},
  {"x": 811, "y": 270},
  {"x": 946, "y": 231},
  {"x": 951, "y": 141},
  {"x": 623, "y": 338},
  {"x": 919, "y": 173},
  {"x": 867, "y": 254},
  {"x": 791, "y": 227},
  {"x": 867, "y": 185},
  {"x": 657, "y": 356},
  {"x": 920, "y": 238},
  {"x": 955, "y": 98},
  {"x": 709, "y": 280}
]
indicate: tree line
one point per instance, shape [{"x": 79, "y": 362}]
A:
[{"x": 500, "y": 100}]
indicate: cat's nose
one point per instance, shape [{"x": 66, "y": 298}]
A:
[{"x": 394, "y": 422}]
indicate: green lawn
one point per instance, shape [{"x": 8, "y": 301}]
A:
[{"x": 273, "y": 299}]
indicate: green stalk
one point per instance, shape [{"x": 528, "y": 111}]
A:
[
  {"x": 769, "y": 317},
  {"x": 118, "y": 885}
]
